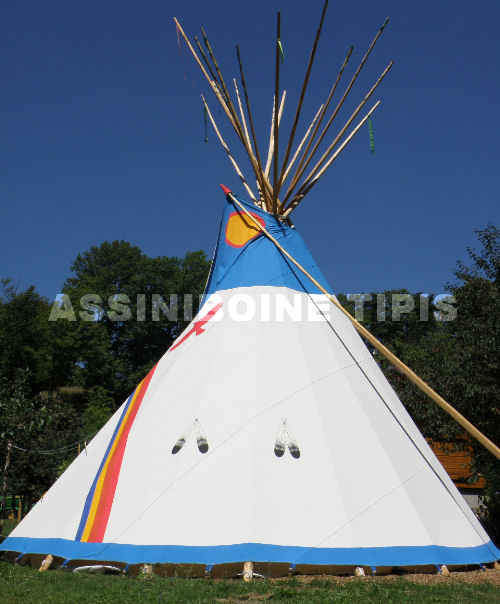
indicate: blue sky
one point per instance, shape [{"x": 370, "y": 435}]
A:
[{"x": 102, "y": 133}]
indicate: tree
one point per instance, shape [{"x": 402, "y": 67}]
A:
[
  {"x": 30, "y": 425},
  {"x": 477, "y": 336},
  {"x": 29, "y": 341},
  {"x": 133, "y": 307},
  {"x": 460, "y": 360}
]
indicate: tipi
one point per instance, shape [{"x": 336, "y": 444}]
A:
[{"x": 267, "y": 432}]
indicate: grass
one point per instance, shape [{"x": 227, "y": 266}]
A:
[{"x": 20, "y": 584}]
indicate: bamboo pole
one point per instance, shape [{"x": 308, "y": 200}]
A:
[
  {"x": 216, "y": 91},
  {"x": 227, "y": 150},
  {"x": 301, "y": 194},
  {"x": 301, "y": 98},
  {"x": 276, "y": 121},
  {"x": 323, "y": 158},
  {"x": 271, "y": 134},
  {"x": 391, "y": 357},
  {"x": 297, "y": 176},
  {"x": 322, "y": 115}
]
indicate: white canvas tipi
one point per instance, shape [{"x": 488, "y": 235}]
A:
[{"x": 267, "y": 432}]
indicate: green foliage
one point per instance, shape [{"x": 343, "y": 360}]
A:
[
  {"x": 127, "y": 333},
  {"x": 477, "y": 335},
  {"x": 31, "y": 423},
  {"x": 29, "y": 341},
  {"x": 97, "y": 412},
  {"x": 460, "y": 360}
]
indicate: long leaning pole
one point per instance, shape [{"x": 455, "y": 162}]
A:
[{"x": 392, "y": 358}]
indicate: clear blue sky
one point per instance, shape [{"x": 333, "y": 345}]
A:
[{"x": 102, "y": 133}]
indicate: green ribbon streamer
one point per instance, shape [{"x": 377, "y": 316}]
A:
[
  {"x": 280, "y": 47},
  {"x": 370, "y": 134}
]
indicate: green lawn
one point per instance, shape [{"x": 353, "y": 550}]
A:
[{"x": 23, "y": 585}]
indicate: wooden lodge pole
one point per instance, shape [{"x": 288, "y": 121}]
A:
[
  {"x": 266, "y": 188},
  {"x": 301, "y": 98},
  {"x": 366, "y": 98},
  {"x": 276, "y": 121},
  {"x": 301, "y": 169},
  {"x": 303, "y": 191},
  {"x": 322, "y": 111},
  {"x": 271, "y": 134},
  {"x": 392, "y": 358},
  {"x": 227, "y": 150},
  {"x": 227, "y": 110},
  {"x": 301, "y": 144}
]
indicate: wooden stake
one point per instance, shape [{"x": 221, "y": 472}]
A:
[
  {"x": 271, "y": 134},
  {"x": 301, "y": 99},
  {"x": 323, "y": 158},
  {"x": 147, "y": 571},
  {"x": 303, "y": 191},
  {"x": 46, "y": 562},
  {"x": 276, "y": 121},
  {"x": 392, "y": 358},
  {"x": 247, "y": 571},
  {"x": 299, "y": 170},
  {"x": 227, "y": 150},
  {"x": 298, "y": 175}
]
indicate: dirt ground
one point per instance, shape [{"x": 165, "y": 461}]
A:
[{"x": 488, "y": 575}]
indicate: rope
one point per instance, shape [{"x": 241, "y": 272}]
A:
[{"x": 55, "y": 451}]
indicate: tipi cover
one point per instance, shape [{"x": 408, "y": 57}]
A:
[{"x": 267, "y": 432}]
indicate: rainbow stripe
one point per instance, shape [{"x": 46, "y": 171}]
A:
[{"x": 99, "y": 500}]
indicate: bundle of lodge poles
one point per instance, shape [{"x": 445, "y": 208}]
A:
[{"x": 269, "y": 197}]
